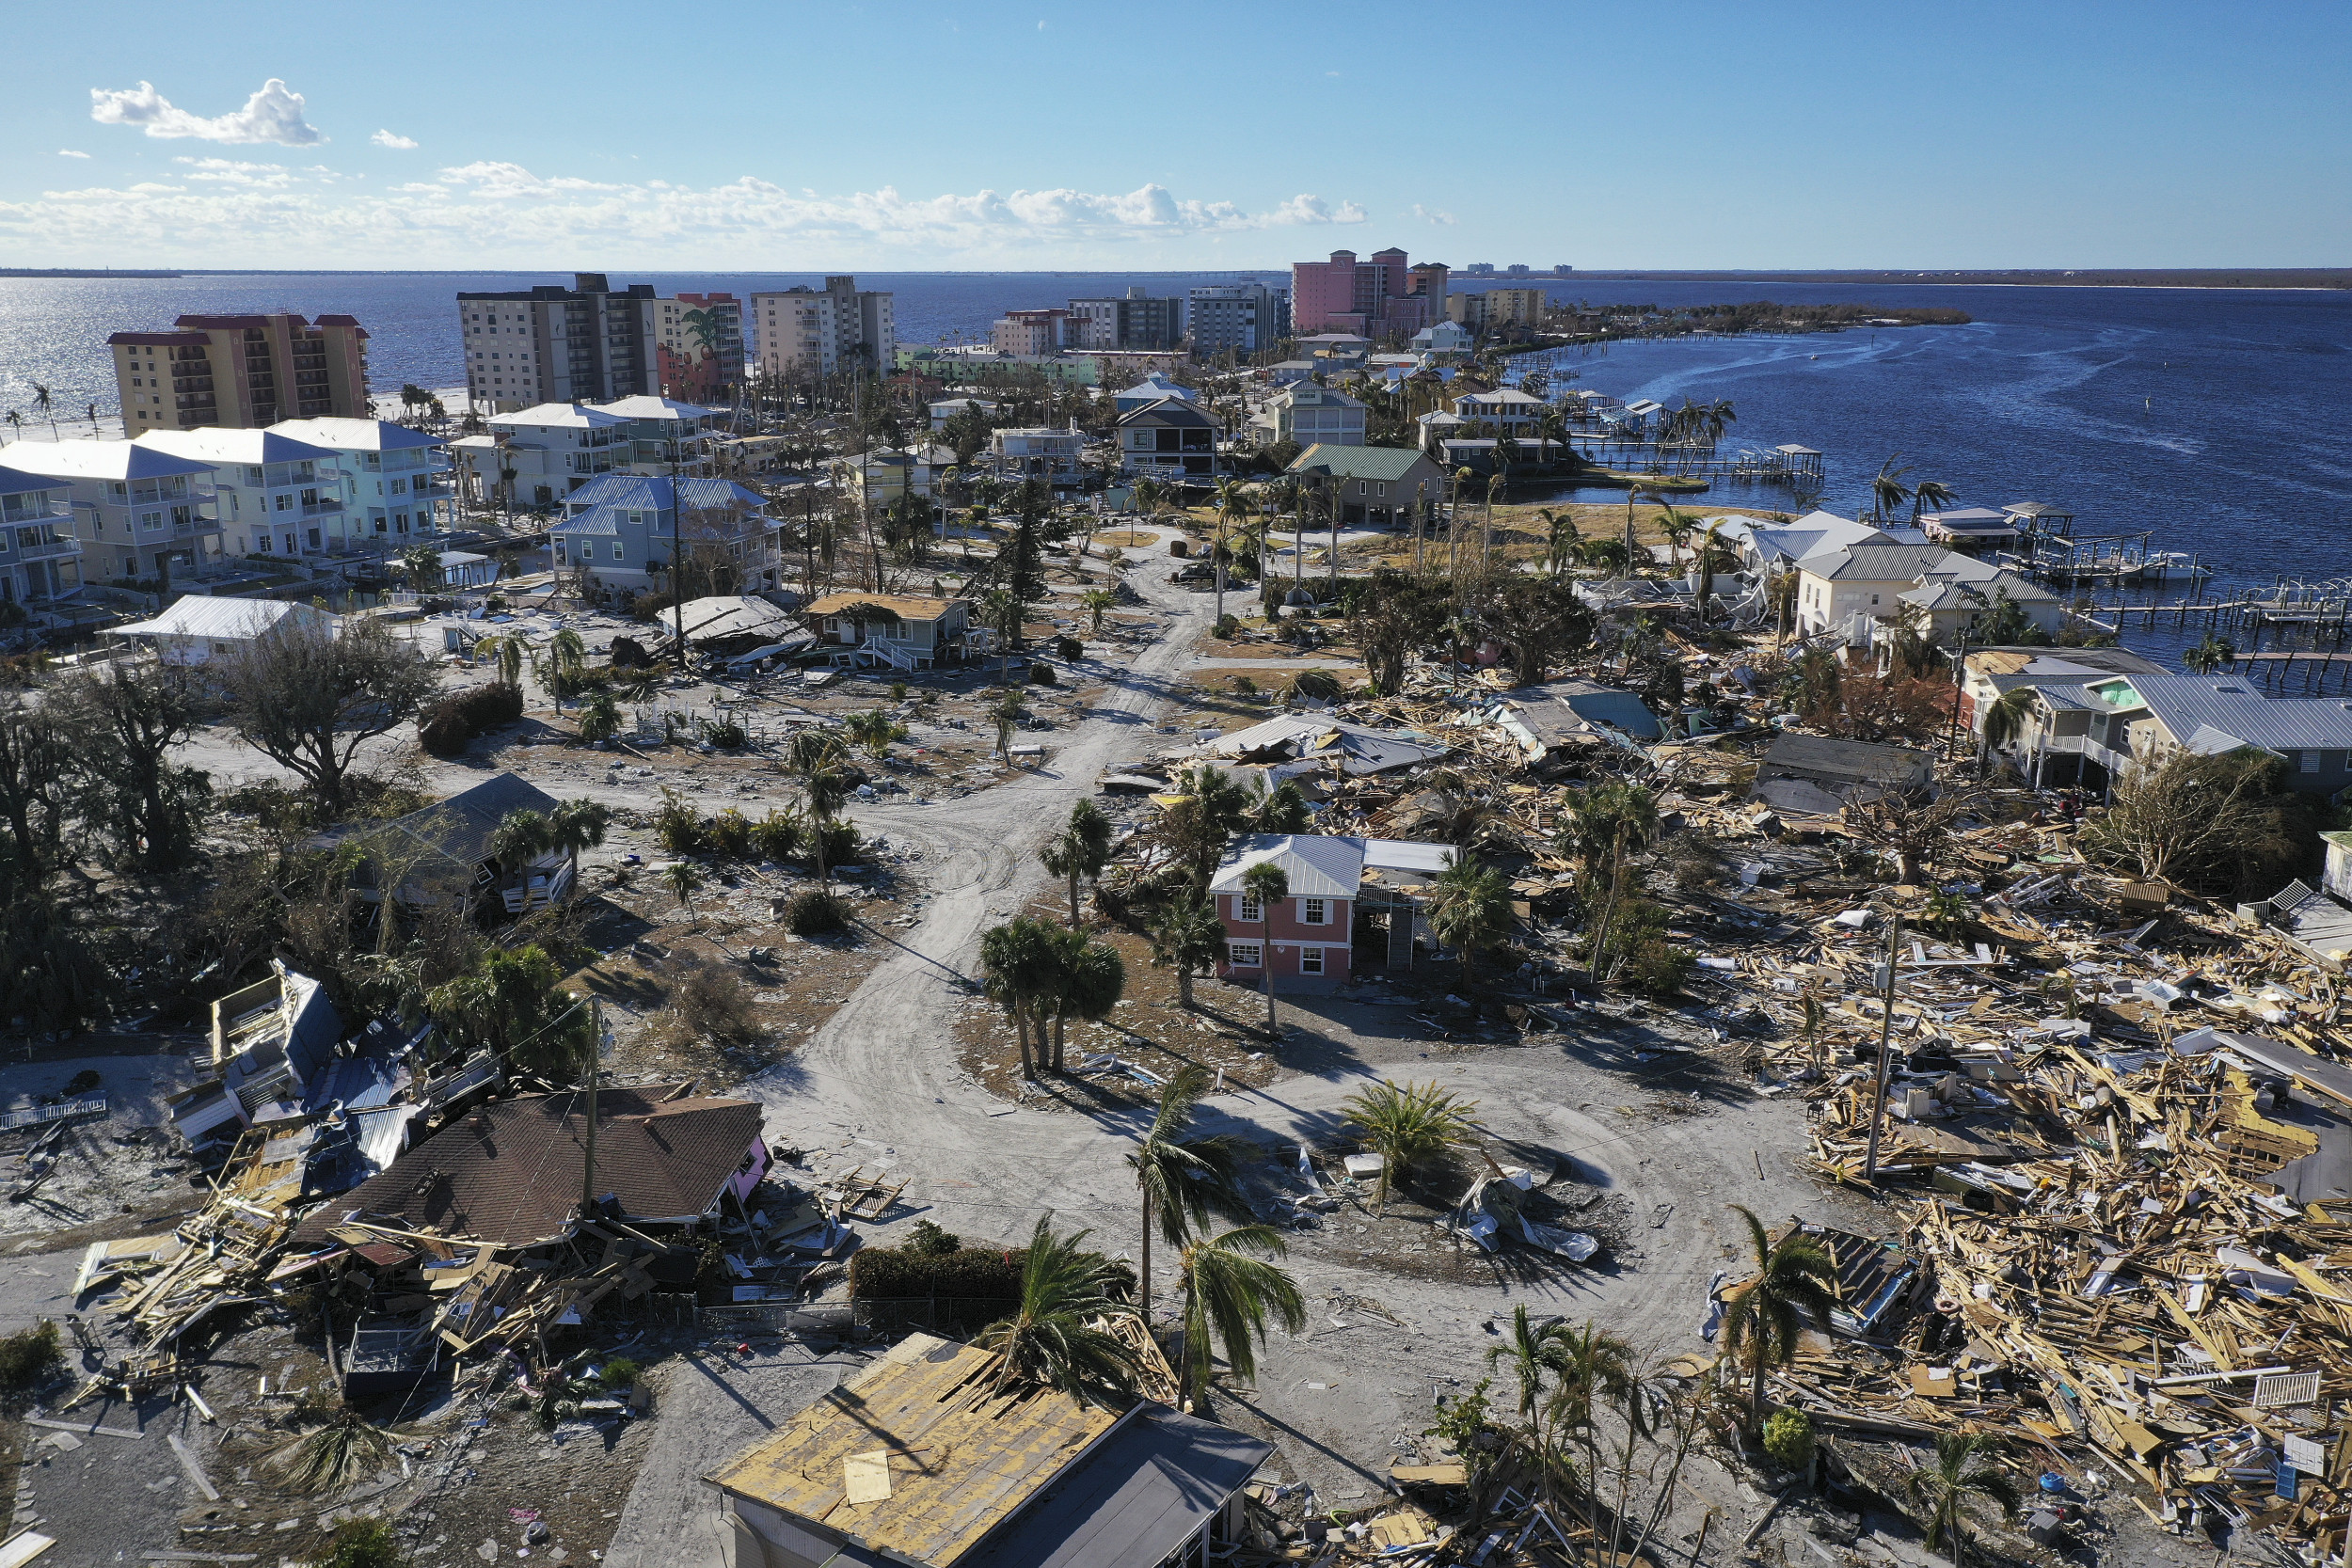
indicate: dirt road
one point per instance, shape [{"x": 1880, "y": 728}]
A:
[{"x": 879, "y": 1086}]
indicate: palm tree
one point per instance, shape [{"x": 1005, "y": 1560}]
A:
[
  {"x": 1082, "y": 848},
  {"x": 420, "y": 568},
  {"x": 1016, "y": 963},
  {"x": 575, "y": 826},
  {"x": 1929, "y": 492},
  {"x": 46, "y": 407},
  {"x": 1265, "y": 885},
  {"x": 2005, "y": 720},
  {"x": 1187, "y": 937},
  {"x": 826, "y": 791},
  {"x": 1963, "y": 1468},
  {"x": 1469, "y": 910},
  {"x": 508, "y": 652},
  {"x": 1098, "y": 602},
  {"x": 1084, "y": 978},
  {"x": 1182, "y": 1178},
  {"x": 1229, "y": 1293},
  {"x": 1677, "y": 530},
  {"x": 1232, "y": 504},
  {"x": 1887, "y": 490},
  {"x": 1763, "y": 1319},
  {"x": 812, "y": 751},
  {"x": 1560, "y": 540},
  {"x": 1713, "y": 556},
  {"x": 874, "y": 731},
  {"x": 1001, "y": 612},
  {"x": 520, "y": 837},
  {"x": 1406, "y": 1123},
  {"x": 1595, "y": 1369},
  {"x": 567, "y": 656},
  {"x": 1531, "y": 1352},
  {"x": 2214, "y": 653},
  {"x": 16, "y": 422},
  {"x": 683, "y": 880},
  {"x": 1052, "y": 1340},
  {"x": 1595, "y": 815}
]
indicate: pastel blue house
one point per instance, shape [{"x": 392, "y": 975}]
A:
[{"x": 621, "y": 529}]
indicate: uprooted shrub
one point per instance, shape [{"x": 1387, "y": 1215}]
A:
[
  {"x": 29, "y": 1356},
  {"x": 713, "y": 1003},
  {"x": 815, "y": 911},
  {"x": 450, "y": 725}
]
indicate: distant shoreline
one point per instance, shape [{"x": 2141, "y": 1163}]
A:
[
  {"x": 2293, "y": 280},
  {"x": 2296, "y": 279}
]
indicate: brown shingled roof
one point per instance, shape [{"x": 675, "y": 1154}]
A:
[{"x": 509, "y": 1172}]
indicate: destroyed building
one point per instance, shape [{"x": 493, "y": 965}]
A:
[
  {"x": 1295, "y": 744},
  {"x": 923, "y": 1458},
  {"x": 443, "y": 853},
  {"x": 1812, "y": 775}
]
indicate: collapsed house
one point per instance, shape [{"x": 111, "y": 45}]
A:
[
  {"x": 1812, "y": 775},
  {"x": 923, "y": 1459},
  {"x": 521, "y": 1216},
  {"x": 334, "y": 1111},
  {"x": 443, "y": 853},
  {"x": 1564, "y": 716},
  {"x": 1295, "y": 744}
]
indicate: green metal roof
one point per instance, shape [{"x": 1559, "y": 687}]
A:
[{"x": 1389, "y": 463}]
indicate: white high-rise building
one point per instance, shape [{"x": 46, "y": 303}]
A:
[{"x": 801, "y": 331}]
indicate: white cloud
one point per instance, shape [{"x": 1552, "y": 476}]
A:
[
  {"x": 272, "y": 115},
  {"x": 1431, "y": 215},
  {"x": 229, "y": 171},
  {"x": 397, "y": 144},
  {"x": 492, "y": 213},
  {"x": 69, "y": 152}
]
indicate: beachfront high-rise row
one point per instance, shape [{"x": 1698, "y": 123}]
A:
[
  {"x": 590, "y": 343},
  {"x": 801, "y": 332},
  {"x": 244, "y": 372}
]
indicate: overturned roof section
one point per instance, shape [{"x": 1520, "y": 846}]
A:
[
  {"x": 727, "y": 616},
  {"x": 1552, "y": 715},
  {"x": 510, "y": 1174},
  {"x": 1358, "y": 748},
  {"x": 915, "y": 1459},
  {"x": 915, "y": 1456},
  {"x": 1831, "y": 761}
]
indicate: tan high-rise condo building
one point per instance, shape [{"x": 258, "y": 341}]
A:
[{"x": 245, "y": 372}]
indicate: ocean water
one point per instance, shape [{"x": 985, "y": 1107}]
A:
[{"x": 2219, "y": 421}]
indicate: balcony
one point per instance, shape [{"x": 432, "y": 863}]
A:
[
  {"x": 22, "y": 510},
  {"x": 49, "y": 549},
  {"x": 320, "y": 508}
]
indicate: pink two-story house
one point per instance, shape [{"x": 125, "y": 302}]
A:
[{"x": 1307, "y": 937}]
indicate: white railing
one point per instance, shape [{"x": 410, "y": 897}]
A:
[{"x": 889, "y": 653}]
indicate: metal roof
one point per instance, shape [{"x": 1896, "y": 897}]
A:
[
  {"x": 227, "y": 619},
  {"x": 645, "y": 406},
  {"x": 1318, "y": 867},
  {"x": 15, "y": 481},
  {"x": 2236, "y": 711},
  {"x": 358, "y": 435},
  {"x": 219, "y": 444},
  {"x": 1134, "y": 1498},
  {"x": 656, "y": 491},
  {"x": 1388, "y": 465},
  {"x": 86, "y": 459},
  {"x": 1875, "y": 562},
  {"x": 561, "y": 416}
]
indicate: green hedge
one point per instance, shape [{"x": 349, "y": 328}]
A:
[
  {"x": 447, "y": 728},
  {"x": 896, "y": 1273}
]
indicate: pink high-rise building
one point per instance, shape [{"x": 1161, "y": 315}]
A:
[{"x": 1378, "y": 297}]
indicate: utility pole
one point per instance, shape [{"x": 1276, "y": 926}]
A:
[
  {"x": 596, "y": 1048},
  {"x": 677, "y": 565},
  {"x": 1886, "y": 1031}
]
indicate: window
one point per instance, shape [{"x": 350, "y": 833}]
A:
[
  {"x": 1246, "y": 908},
  {"x": 2307, "y": 762},
  {"x": 1310, "y": 960},
  {"x": 616, "y": 549},
  {"x": 1242, "y": 955},
  {"x": 1318, "y": 911}
]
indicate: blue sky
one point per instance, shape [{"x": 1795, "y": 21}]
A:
[{"x": 1210, "y": 134}]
